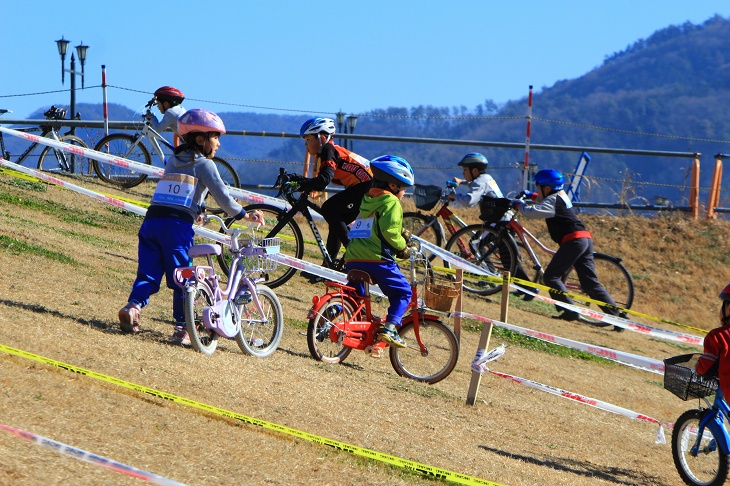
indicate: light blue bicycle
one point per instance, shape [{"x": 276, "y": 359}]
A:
[{"x": 700, "y": 440}]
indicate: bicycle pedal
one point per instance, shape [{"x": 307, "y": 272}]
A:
[{"x": 376, "y": 352}]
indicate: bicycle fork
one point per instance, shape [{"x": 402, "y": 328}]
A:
[{"x": 714, "y": 421}]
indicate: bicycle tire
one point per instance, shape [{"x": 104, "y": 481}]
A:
[
  {"x": 197, "y": 299},
  {"x": 230, "y": 178},
  {"x": 488, "y": 251},
  {"x": 437, "y": 363},
  {"x": 710, "y": 466},
  {"x": 414, "y": 221},
  {"x": 614, "y": 277},
  {"x": 260, "y": 335},
  {"x": 292, "y": 244},
  {"x": 332, "y": 308},
  {"x": 121, "y": 145},
  {"x": 80, "y": 164}
]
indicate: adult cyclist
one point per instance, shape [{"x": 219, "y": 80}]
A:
[{"x": 338, "y": 166}]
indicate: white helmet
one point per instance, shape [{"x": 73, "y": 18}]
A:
[{"x": 315, "y": 126}]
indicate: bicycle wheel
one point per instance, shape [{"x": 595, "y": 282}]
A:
[
  {"x": 292, "y": 243},
  {"x": 485, "y": 247},
  {"x": 230, "y": 179},
  {"x": 126, "y": 147},
  {"x": 261, "y": 331},
  {"x": 54, "y": 160},
  {"x": 416, "y": 224},
  {"x": 197, "y": 299},
  {"x": 612, "y": 275},
  {"x": 439, "y": 360},
  {"x": 331, "y": 313},
  {"x": 709, "y": 467}
]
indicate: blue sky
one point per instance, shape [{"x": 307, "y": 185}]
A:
[{"x": 321, "y": 57}]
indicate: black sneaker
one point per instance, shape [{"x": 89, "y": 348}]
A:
[{"x": 567, "y": 316}]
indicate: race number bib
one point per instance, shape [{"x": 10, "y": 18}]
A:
[
  {"x": 362, "y": 228},
  {"x": 177, "y": 189}
]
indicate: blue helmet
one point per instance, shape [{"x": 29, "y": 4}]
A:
[
  {"x": 475, "y": 160},
  {"x": 317, "y": 125},
  {"x": 391, "y": 168},
  {"x": 551, "y": 178}
]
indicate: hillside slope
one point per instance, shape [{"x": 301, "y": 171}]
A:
[{"x": 68, "y": 264}]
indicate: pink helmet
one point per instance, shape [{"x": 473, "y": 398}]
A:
[{"x": 197, "y": 120}]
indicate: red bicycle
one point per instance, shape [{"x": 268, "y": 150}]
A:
[
  {"x": 341, "y": 320},
  {"x": 427, "y": 226}
]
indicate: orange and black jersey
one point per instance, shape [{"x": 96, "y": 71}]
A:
[{"x": 339, "y": 166}]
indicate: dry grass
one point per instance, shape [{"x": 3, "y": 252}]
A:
[{"x": 66, "y": 310}]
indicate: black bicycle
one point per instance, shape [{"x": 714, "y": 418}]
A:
[
  {"x": 52, "y": 159},
  {"x": 285, "y": 225}
]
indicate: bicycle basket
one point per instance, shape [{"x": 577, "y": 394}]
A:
[
  {"x": 491, "y": 209},
  {"x": 260, "y": 255},
  {"x": 440, "y": 292},
  {"x": 426, "y": 197},
  {"x": 681, "y": 379}
]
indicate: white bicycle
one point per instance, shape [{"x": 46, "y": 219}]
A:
[{"x": 132, "y": 147}]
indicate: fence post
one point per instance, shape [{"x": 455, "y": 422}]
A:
[
  {"x": 459, "y": 305},
  {"x": 714, "y": 200},
  {"x": 476, "y": 377},
  {"x": 694, "y": 190}
]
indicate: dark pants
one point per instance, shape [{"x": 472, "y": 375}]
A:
[
  {"x": 577, "y": 254},
  {"x": 339, "y": 211}
]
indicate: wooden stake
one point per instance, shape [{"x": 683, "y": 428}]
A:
[{"x": 476, "y": 377}]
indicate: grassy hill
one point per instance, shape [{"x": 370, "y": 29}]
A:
[{"x": 68, "y": 264}]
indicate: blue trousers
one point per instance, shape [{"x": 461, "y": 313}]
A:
[
  {"x": 393, "y": 284},
  {"x": 163, "y": 247}
]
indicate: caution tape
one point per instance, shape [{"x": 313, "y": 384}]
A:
[
  {"x": 85, "y": 456},
  {"x": 412, "y": 466}
]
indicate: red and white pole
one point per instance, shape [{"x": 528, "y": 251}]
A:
[
  {"x": 104, "y": 100},
  {"x": 526, "y": 167}
]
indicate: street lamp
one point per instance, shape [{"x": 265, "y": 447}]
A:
[
  {"x": 340, "y": 121},
  {"x": 351, "y": 122},
  {"x": 81, "y": 49}
]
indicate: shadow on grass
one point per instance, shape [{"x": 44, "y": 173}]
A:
[{"x": 613, "y": 474}]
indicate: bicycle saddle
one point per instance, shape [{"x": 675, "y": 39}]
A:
[{"x": 361, "y": 277}]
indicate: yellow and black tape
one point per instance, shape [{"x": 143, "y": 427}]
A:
[{"x": 411, "y": 466}]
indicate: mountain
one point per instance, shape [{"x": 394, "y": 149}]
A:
[{"x": 665, "y": 93}]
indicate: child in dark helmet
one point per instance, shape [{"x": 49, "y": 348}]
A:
[
  {"x": 377, "y": 239},
  {"x": 167, "y": 232},
  {"x": 168, "y": 101},
  {"x": 480, "y": 184},
  {"x": 339, "y": 166},
  {"x": 715, "y": 360},
  {"x": 576, "y": 244}
]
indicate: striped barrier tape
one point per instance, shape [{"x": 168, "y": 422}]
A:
[
  {"x": 241, "y": 194},
  {"x": 411, "y": 466},
  {"x": 85, "y": 456},
  {"x": 628, "y": 359}
]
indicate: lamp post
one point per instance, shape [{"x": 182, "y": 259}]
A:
[
  {"x": 81, "y": 49},
  {"x": 351, "y": 122},
  {"x": 340, "y": 122}
]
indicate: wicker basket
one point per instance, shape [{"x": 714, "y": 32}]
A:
[
  {"x": 426, "y": 197},
  {"x": 681, "y": 379},
  {"x": 440, "y": 292},
  {"x": 491, "y": 209}
]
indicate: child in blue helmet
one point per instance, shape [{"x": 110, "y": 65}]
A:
[
  {"x": 576, "y": 243},
  {"x": 375, "y": 248},
  {"x": 167, "y": 232}
]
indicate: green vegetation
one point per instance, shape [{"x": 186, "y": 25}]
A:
[{"x": 17, "y": 247}]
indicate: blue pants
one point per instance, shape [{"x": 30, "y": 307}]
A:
[
  {"x": 393, "y": 284},
  {"x": 163, "y": 247},
  {"x": 578, "y": 254}
]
